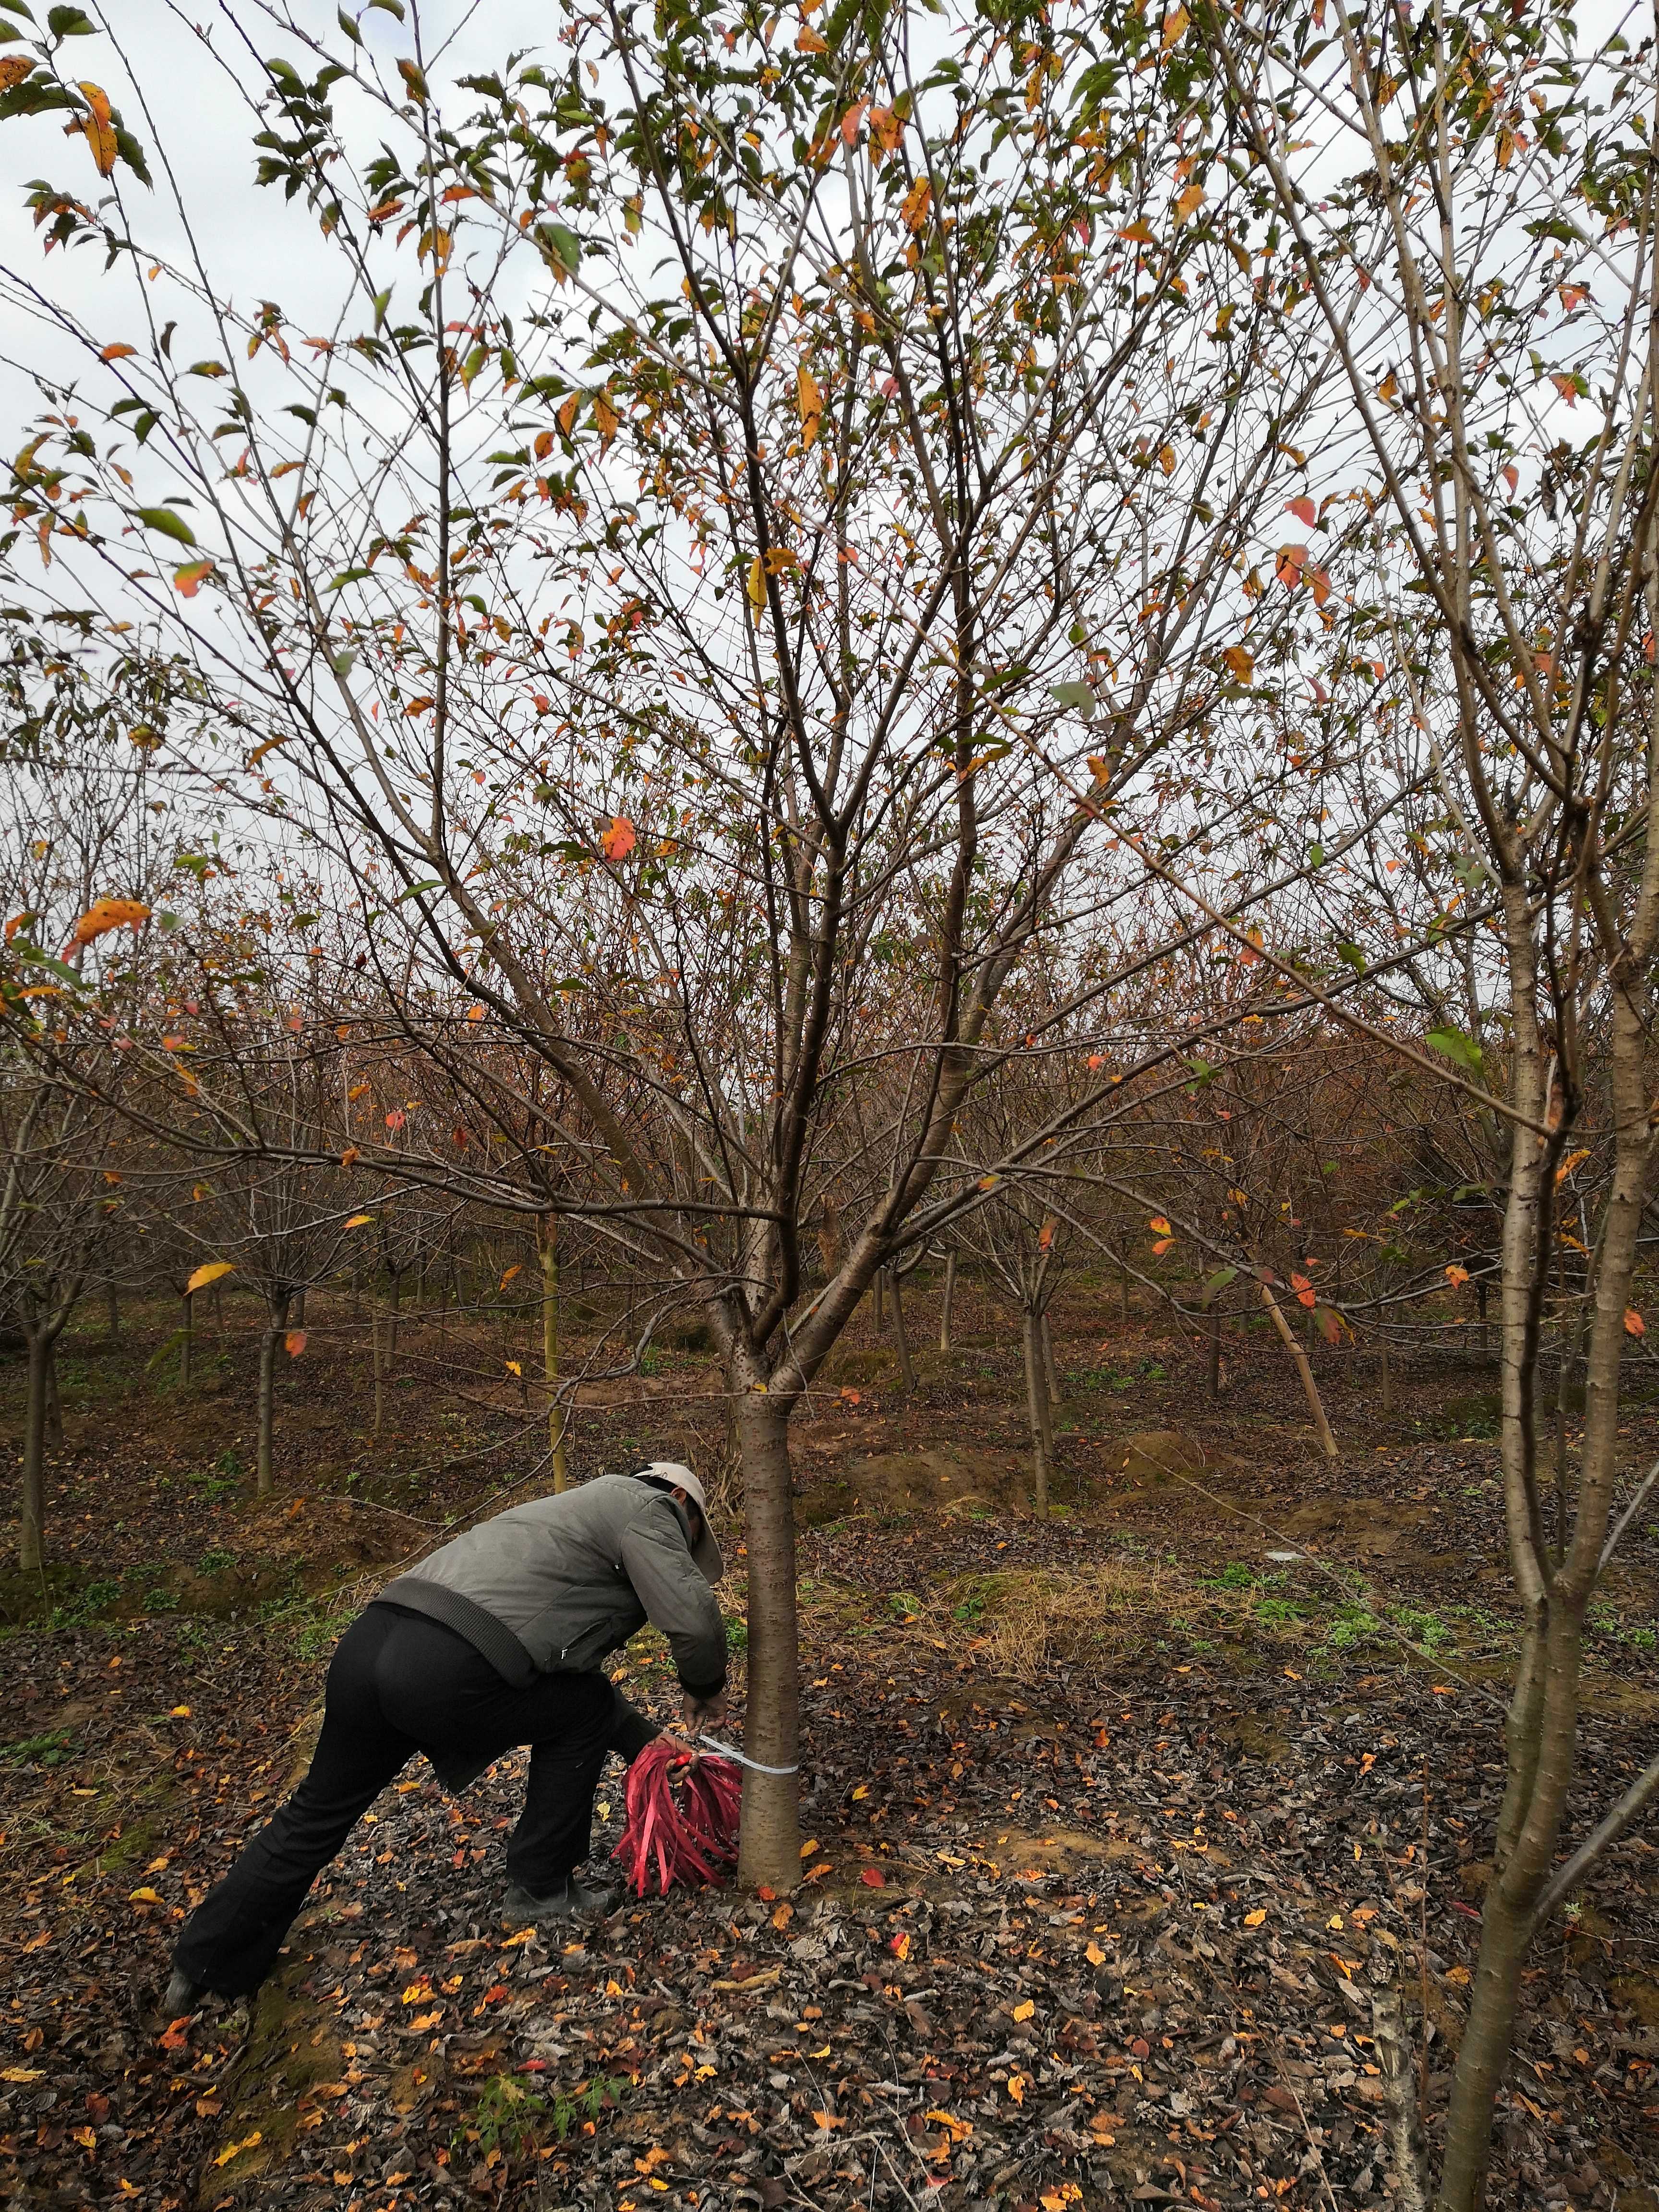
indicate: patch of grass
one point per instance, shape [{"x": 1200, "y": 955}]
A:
[
  {"x": 222, "y": 1479},
  {"x": 215, "y": 1560},
  {"x": 52, "y": 1749},
  {"x": 510, "y": 2116}
]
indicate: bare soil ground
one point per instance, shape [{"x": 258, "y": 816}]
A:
[{"x": 1115, "y": 1818}]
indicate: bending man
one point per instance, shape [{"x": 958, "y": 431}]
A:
[{"x": 498, "y": 1639}]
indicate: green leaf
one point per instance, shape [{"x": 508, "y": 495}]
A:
[
  {"x": 1353, "y": 955},
  {"x": 347, "y": 577},
  {"x": 1203, "y": 1071},
  {"x": 169, "y": 524},
  {"x": 16, "y": 8},
  {"x": 415, "y": 890},
  {"x": 349, "y": 25},
  {"x": 392, "y": 6},
  {"x": 69, "y": 23},
  {"x": 564, "y": 245},
  {"x": 1078, "y": 696},
  {"x": 1216, "y": 1284},
  {"x": 1453, "y": 1045}
]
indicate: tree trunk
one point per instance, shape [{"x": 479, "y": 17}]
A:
[
  {"x": 31, "y": 1545},
  {"x": 944, "y": 1310},
  {"x": 1050, "y": 1371},
  {"x": 549, "y": 1245},
  {"x": 907, "y": 1372},
  {"x": 1322, "y": 1426},
  {"x": 376, "y": 1356},
  {"x": 1483, "y": 2056},
  {"x": 186, "y": 1339},
  {"x": 54, "y": 1402},
  {"x": 268, "y": 1343},
  {"x": 1036, "y": 1403},
  {"x": 1213, "y": 1364},
  {"x": 769, "y": 1851}
]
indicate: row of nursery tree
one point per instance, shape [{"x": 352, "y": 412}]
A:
[{"x": 836, "y": 632}]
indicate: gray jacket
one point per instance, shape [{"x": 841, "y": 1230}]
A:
[{"x": 564, "y": 1581}]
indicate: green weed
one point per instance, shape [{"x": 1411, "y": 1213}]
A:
[{"x": 48, "y": 1750}]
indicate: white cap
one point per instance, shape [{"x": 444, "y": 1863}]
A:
[{"x": 678, "y": 1476}]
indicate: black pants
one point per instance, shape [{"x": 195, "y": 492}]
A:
[{"x": 398, "y": 1684}]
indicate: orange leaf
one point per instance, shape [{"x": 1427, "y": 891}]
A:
[
  {"x": 1634, "y": 1324},
  {"x": 350, "y": 1156},
  {"x": 916, "y": 203},
  {"x": 360, "y": 1221},
  {"x": 619, "y": 840},
  {"x": 605, "y": 417},
  {"x": 105, "y": 915},
  {"x": 517, "y": 1268},
  {"x": 111, "y": 352},
  {"x": 294, "y": 1343},
  {"x": 188, "y": 580},
  {"x": 1239, "y": 661},
  {"x": 808, "y": 41},
  {"x": 1287, "y": 568},
  {"x": 1162, "y": 1245},
  {"x": 1189, "y": 203},
  {"x": 1304, "y": 1290},
  {"x": 14, "y": 68},
  {"x": 1160, "y": 1226},
  {"x": 1456, "y": 1276},
  {"x": 1302, "y": 508},
  {"x": 566, "y": 417}
]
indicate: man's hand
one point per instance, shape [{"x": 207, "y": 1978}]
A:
[
  {"x": 699, "y": 1714},
  {"x": 677, "y": 1743}
]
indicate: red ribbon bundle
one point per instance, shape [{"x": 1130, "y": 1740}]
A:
[{"x": 682, "y": 1814}]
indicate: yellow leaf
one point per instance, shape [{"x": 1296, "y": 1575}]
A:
[
  {"x": 566, "y": 417},
  {"x": 235, "y": 2149},
  {"x": 513, "y": 1368},
  {"x": 1189, "y": 203},
  {"x": 1095, "y": 1955},
  {"x": 811, "y": 400},
  {"x": 916, "y": 203},
  {"x": 1255, "y": 1919},
  {"x": 360, "y": 1221},
  {"x": 605, "y": 416},
  {"x": 210, "y": 1272},
  {"x": 1239, "y": 661},
  {"x": 1175, "y": 23},
  {"x": 807, "y": 42},
  {"x": 22, "y": 2073},
  {"x": 1017, "y": 2087},
  {"x": 105, "y": 915},
  {"x": 757, "y": 584},
  {"x": 807, "y": 1849},
  {"x": 1024, "y": 2011},
  {"x": 145, "y": 1896}
]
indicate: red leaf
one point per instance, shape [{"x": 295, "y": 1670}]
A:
[
  {"x": 873, "y": 1878},
  {"x": 1302, "y": 508}
]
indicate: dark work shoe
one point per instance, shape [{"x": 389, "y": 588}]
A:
[
  {"x": 183, "y": 1996},
  {"x": 569, "y": 1900}
]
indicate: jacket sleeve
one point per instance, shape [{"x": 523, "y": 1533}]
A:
[{"x": 675, "y": 1598}]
